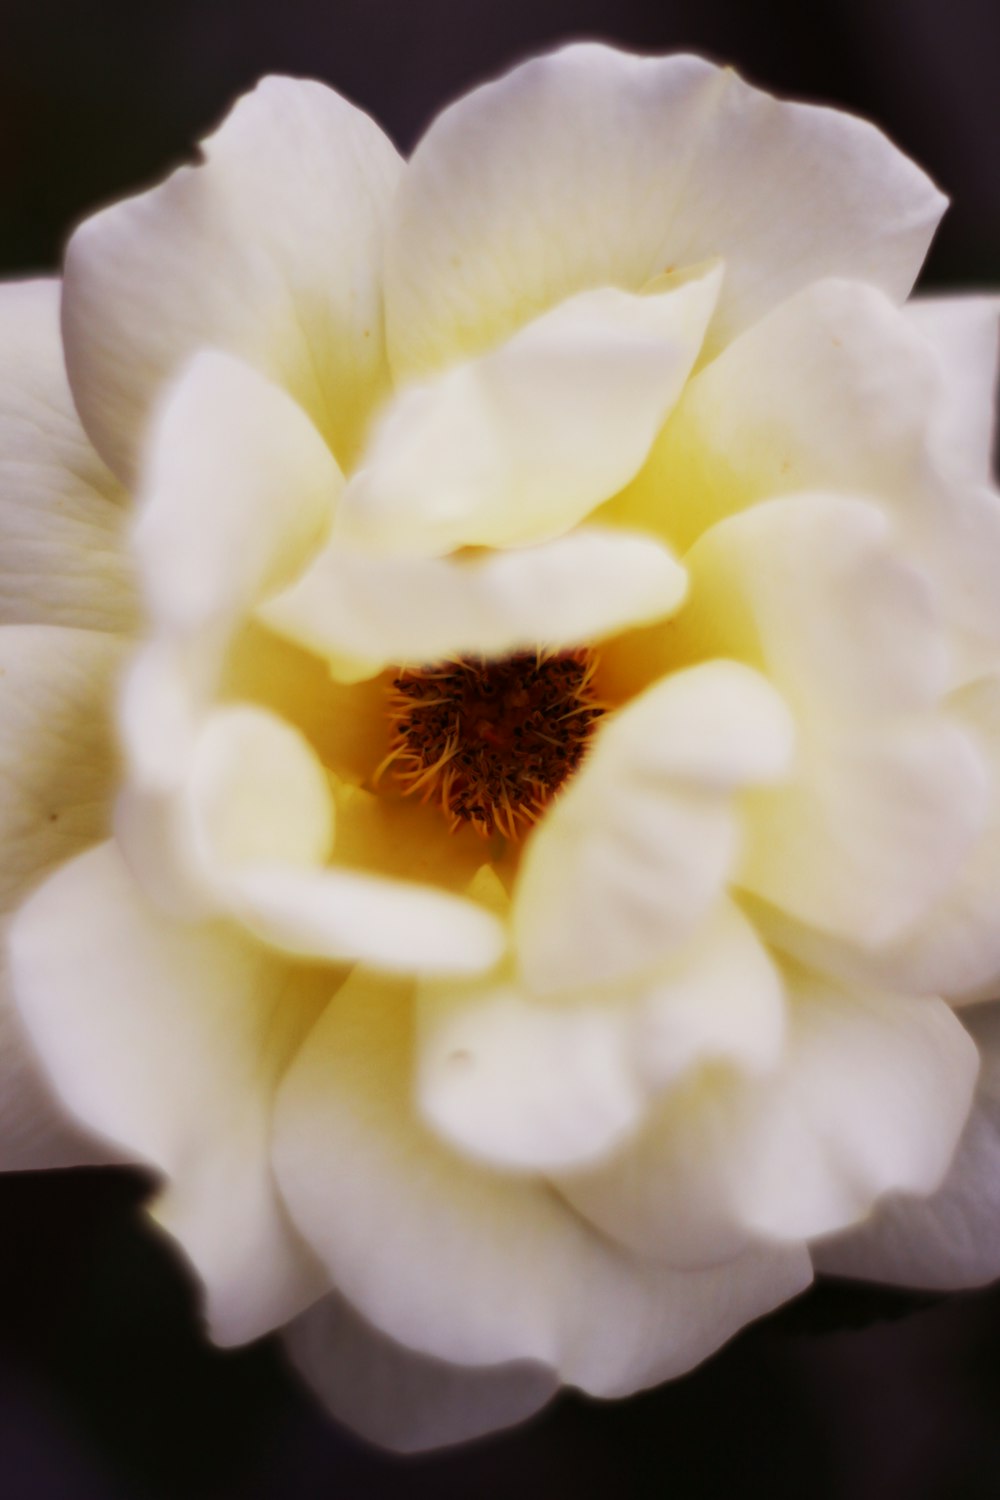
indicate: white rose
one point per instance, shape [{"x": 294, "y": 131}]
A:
[{"x": 558, "y": 814}]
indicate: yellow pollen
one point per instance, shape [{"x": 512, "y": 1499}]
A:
[{"x": 491, "y": 741}]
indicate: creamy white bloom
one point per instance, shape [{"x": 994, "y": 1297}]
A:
[{"x": 588, "y": 472}]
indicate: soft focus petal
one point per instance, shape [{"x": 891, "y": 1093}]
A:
[
  {"x": 523, "y": 1084},
  {"x": 591, "y": 167},
  {"x": 518, "y": 446},
  {"x": 576, "y": 588},
  {"x": 834, "y": 390},
  {"x": 57, "y": 772},
  {"x": 951, "y": 1239},
  {"x": 888, "y": 793},
  {"x": 237, "y": 493},
  {"x": 62, "y": 558},
  {"x": 269, "y": 249},
  {"x": 169, "y": 1040},
  {"x": 472, "y": 1266},
  {"x": 963, "y": 332},
  {"x": 403, "y": 1400},
  {"x": 393, "y": 925},
  {"x": 641, "y": 843}
]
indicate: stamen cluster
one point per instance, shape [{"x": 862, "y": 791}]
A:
[{"x": 492, "y": 741}]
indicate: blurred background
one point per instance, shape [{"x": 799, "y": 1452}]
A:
[{"x": 107, "y": 1390}]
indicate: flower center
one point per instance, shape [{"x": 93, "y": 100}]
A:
[{"x": 491, "y": 741}]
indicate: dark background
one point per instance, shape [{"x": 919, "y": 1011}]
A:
[{"x": 107, "y": 1390}]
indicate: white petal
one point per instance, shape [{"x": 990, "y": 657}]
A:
[
  {"x": 951, "y": 1239},
  {"x": 576, "y": 588},
  {"x": 641, "y": 843},
  {"x": 521, "y": 444},
  {"x": 469, "y": 1265},
  {"x": 57, "y": 772},
  {"x": 834, "y": 390},
  {"x": 963, "y": 332},
  {"x": 168, "y": 1039},
  {"x": 394, "y": 925},
  {"x": 269, "y": 249},
  {"x": 62, "y": 555},
  {"x": 256, "y": 792},
  {"x": 592, "y": 168},
  {"x": 520, "y": 1084},
  {"x": 402, "y": 1400},
  {"x": 872, "y": 1098},
  {"x": 888, "y": 793},
  {"x": 237, "y": 493}
]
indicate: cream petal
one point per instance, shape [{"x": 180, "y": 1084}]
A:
[
  {"x": 270, "y": 249},
  {"x": 888, "y": 794},
  {"x": 520, "y": 445},
  {"x": 870, "y": 1097},
  {"x": 523, "y": 1085},
  {"x": 402, "y": 1400},
  {"x": 834, "y": 390},
  {"x": 340, "y": 915},
  {"x": 468, "y": 1265},
  {"x": 633, "y": 854},
  {"x": 63, "y": 560},
  {"x": 952, "y": 1238},
  {"x": 963, "y": 332},
  {"x": 236, "y": 494},
  {"x": 168, "y": 1040},
  {"x": 576, "y": 588},
  {"x": 57, "y": 772},
  {"x": 592, "y": 167}
]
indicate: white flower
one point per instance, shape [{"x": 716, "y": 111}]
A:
[{"x": 584, "y": 472}]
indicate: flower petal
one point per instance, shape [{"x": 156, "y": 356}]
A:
[
  {"x": 402, "y": 1400},
  {"x": 494, "y": 1267},
  {"x": 168, "y": 1039},
  {"x": 834, "y": 390},
  {"x": 889, "y": 794},
  {"x": 269, "y": 249},
  {"x": 574, "y": 589},
  {"x": 57, "y": 772},
  {"x": 963, "y": 332},
  {"x": 523, "y": 1085},
  {"x": 237, "y": 493},
  {"x": 870, "y": 1097},
  {"x": 632, "y": 855},
  {"x": 62, "y": 555},
  {"x": 520, "y": 445},
  {"x": 591, "y": 167},
  {"x": 951, "y": 1239},
  {"x": 339, "y": 915}
]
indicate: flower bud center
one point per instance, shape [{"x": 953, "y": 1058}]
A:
[{"x": 491, "y": 741}]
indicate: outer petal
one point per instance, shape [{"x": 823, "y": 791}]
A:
[
  {"x": 951, "y": 1239},
  {"x": 963, "y": 332},
  {"x": 636, "y": 850},
  {"x": 270, "y": 249},
  {"x": 834, "y": 390},
  {"x": 870, "y": 1097},
  {"x": 888, "y": 795},
  {"x": 591, "y": 167},
  {"x": 403, "y": 1400},
  {"x": 62, "y": 558},
  {"x": 576, "y": 588},
  {"x": 237, "y": 494},
  {"x": 57, "y": 771},
  {"x": 169, "y": 1039},
  {"x": 521, "y": 444},
  {"x": 493, "y": 1268}
]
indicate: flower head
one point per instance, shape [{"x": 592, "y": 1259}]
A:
[{"x": 558, "y": 812}]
